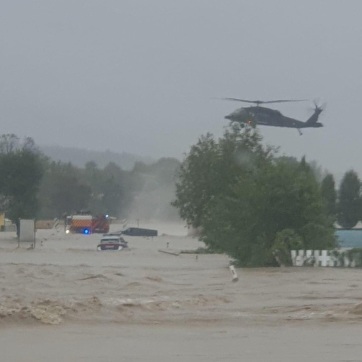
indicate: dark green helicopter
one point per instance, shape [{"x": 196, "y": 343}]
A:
[{"x": 257, "y": 115}]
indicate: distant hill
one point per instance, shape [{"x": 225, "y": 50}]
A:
[{"x": 79, "y": 157}]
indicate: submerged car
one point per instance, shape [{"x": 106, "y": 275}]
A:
[{"x": 112, "y": 242}]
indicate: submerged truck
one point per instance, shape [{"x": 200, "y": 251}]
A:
[
  {"x": 87, "y": 224},
  {"x": 133, "y": 231}
]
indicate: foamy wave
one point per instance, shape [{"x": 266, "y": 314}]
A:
[
  {"x": 46, "y": 312},
  {"x": 54, "y": 312}
]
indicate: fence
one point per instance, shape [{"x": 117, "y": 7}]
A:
[{"x": 326, "y": 258}]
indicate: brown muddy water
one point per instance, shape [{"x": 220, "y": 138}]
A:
[{"x": 65, "y": 301}]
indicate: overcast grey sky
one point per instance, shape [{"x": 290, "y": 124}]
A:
[{"x": 142, "y": 76}]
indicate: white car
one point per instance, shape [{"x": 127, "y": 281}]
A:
[{"x": 112, "y": 242}]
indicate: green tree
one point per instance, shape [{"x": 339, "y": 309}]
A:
[
  {"x": 198, "y": 181},
  {"x": 349, "y": 200},
  {"x": 110, "y": 188},
  {"x": 94, "y": 177},
  {"x": 329, "y": 195},
  {"x": 21, "y": 171},
  {"x": 113, "y": 189},
  {"x": 67, "y": 189},
  {"x": 214, "y": 168},
  {"x": 62, "y": 190},
  {"x": 242, "y": 196}
]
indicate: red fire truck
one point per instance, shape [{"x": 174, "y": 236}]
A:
[{"x": 87, "y": 224}]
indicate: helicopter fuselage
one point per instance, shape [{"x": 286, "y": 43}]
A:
[{"x": 257, "y": 115}]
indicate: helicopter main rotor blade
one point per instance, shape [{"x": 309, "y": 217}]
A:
[
  {"x": 264, "y": 102},
  {"x": 243, "y": 100},
  {"x": 286, "y": 100}
]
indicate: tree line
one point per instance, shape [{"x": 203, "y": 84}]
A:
[
  {"x": 34, "y": 186},
  {"x": 241, "y": 196}
]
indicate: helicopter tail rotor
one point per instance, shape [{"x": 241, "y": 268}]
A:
[
  {"x": 319, "y": 107},
  {"x": 312, "y": 121}
]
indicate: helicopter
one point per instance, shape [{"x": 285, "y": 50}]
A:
[{"x": 258, "y": 115}]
